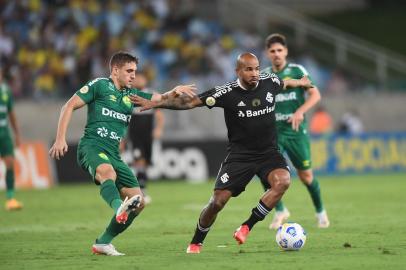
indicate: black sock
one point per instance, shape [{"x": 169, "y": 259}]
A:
[
  {"x": 200, "y": 234},
  {"x": 142, "y": 178},
  {"x": 258, "y": 214}
]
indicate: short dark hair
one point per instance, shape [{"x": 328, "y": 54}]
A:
[
  {"x": 275, "y": 38},
  {"x": 121, "y": 58}
]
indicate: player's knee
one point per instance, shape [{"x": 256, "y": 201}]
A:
[
  {"x": 9, "y": 162},
  {"x": 217, "y": 204},
  {"x": 105, "y": 172},
  {"x": 282, "y": 181},
  {"x": 306, "y": 176}
]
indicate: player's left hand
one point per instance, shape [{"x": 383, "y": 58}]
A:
[
  {"x": 59, "y": 149},
  {"x": 296, "y": 119},
  {"x": 17, "y": 141},
  {"x": 305, "y": 82}
]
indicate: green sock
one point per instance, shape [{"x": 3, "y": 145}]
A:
[
  {"x": 279, "y": 207},
  {"x": 314, "y": 190},
  {"x": 110, "y": 194},
  {"x": 115, "y": 229},
  {"x": 10, "y": 183}
]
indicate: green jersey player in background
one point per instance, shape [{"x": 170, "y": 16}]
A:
[
  {"x": 6, "y": 142},
  {"x": 109, "y": 112},
  {"x": 293, "y": 138}
]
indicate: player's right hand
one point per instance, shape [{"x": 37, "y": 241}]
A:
[{"x": 59, "y": 149}]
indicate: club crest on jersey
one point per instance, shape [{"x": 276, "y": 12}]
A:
[
  {"x": 269, "y": 97},
  {"x": 210, "y": 101},
  {"x": 4, "y": 96},
  {"x": 127, "y": 101},
  {"x": 84, "y": 89},
  {"x": 256, "y": 102}
]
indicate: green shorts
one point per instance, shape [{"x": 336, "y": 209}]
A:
[
  {"x": 297, "y": 149},
  {"x": 89, "y": 157},
  {"x": 6, "y": 144}
]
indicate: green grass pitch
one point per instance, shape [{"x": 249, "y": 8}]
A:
[{"x": 58, "y": 226}]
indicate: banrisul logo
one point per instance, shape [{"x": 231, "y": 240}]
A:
[{"x": 255, "y": 113}]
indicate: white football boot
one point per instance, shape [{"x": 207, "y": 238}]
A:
[
  {"x": 322, "y": 219},
  {"x": 127, "y": 206},
  {"x": 278, "y": 219},
  {"x": 105, "y": 249}
]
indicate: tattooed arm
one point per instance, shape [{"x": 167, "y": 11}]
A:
[
  {"x": 181, "y": 97},
  {"x": 302, "y": 82}
]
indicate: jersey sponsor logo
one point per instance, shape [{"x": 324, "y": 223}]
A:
[
  {"x": 102, "y": 132},
  {"x": 224, "y": 178},
  {"x": 282, "y": 117},
  {"x": 210, "y": 101},
  {"x": 103, "y": 156},
  {"x": 3, "y": 109},
  {"x": 285, "y": 97},
  {"x": 255, "y": 113},
  {"x": 84, "y": 89},
  {"x": 116, "y": 115},
  {"x": 256, "y": 102},
  {"x": 241, "y": 104},
  {"x": 3, "y": 122},
  {"x": 269, "y": 97}
]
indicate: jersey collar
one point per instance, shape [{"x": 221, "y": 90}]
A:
[
  {"x": 280, "y": 71},
  {"x": 242, "y": 87}
]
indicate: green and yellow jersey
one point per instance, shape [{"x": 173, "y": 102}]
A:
[
  {"x": 109, "y": 113},
  {"x": 289, "y": 100}
]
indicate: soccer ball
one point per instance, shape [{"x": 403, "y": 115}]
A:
[{"x": 290, "y": 236}]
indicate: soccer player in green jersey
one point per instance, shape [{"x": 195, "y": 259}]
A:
[
  {"x": 6, "y": 141},
  {"x": 293, "y": 138},
  {"x": 109, "y": 112}
]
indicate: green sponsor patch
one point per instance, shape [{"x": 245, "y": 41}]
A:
[{"x": 103, "y": 156}]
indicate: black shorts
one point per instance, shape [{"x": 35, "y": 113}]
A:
[
  {"x": 140, "y": 135},
  {"x": 237, "y": 170}
]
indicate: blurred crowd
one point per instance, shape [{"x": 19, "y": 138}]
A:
[{"x": 48, "y": 49}]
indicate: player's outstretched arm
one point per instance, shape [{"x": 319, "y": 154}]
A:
[
  {"x": 60, "y": 147},
  {"x": 314, "y": 97},
  {"x": 303, "y": 82},
  {"x": 182, "y": 97}
]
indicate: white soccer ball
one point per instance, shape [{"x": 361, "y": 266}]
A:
[{"x": 290, "y": 236}]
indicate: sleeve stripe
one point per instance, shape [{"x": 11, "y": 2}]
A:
[
  {"x": 226, "y": 86},
  {"x": 302, "y": 69}
]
